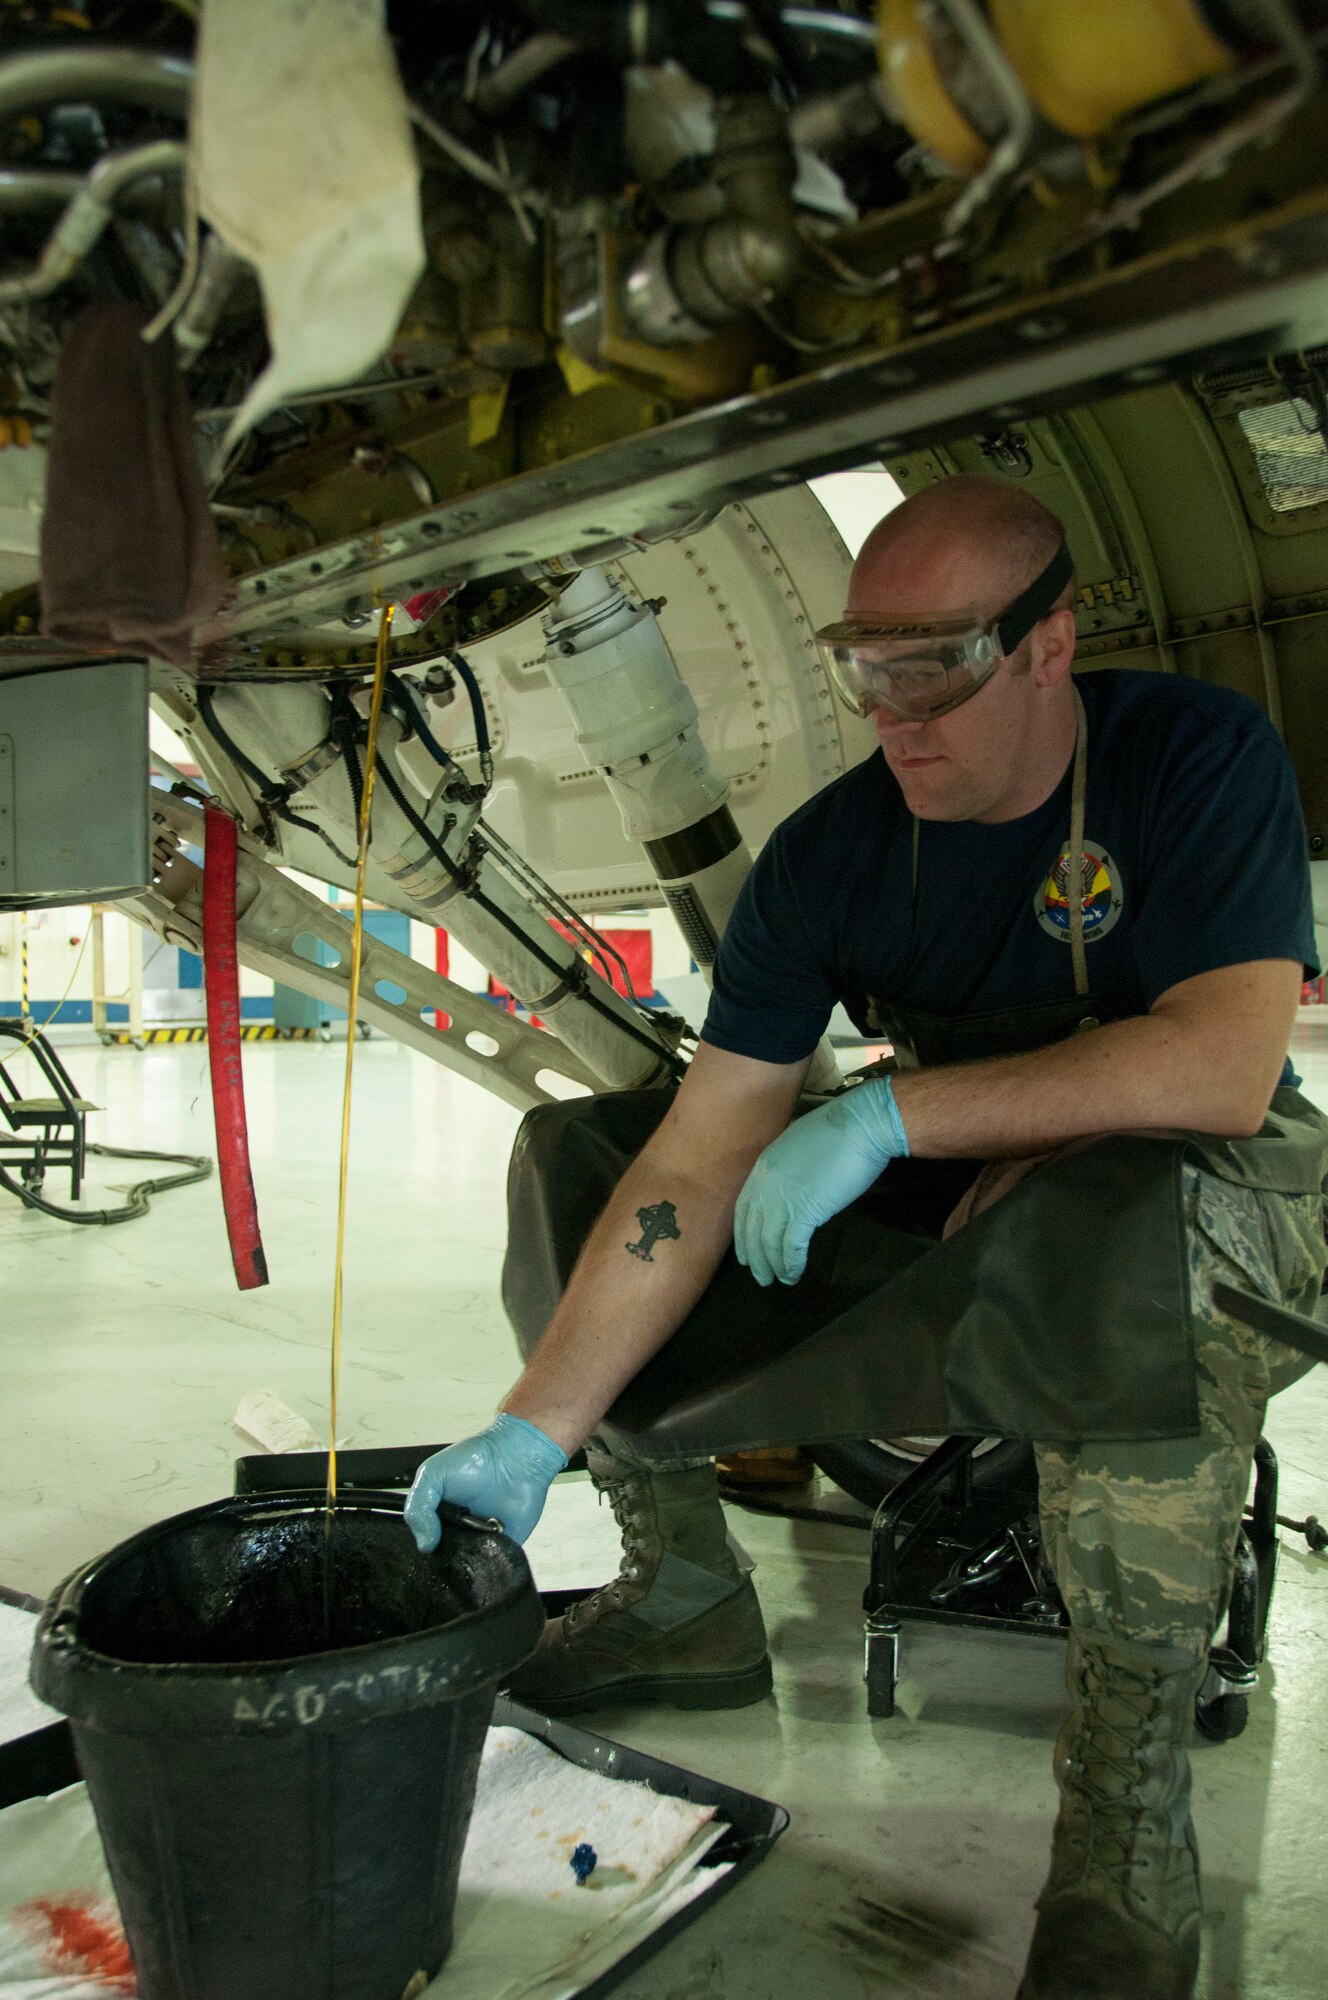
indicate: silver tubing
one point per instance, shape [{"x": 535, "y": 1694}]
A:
[
  {"x": 87, "y": 216},
  {"x": 147, "y": 78}
]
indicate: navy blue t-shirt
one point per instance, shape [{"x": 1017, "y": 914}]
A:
[{"x": 1193, "y": 833}]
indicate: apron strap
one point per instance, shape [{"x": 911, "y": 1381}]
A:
[
  {"x": 1074, "y": 884},
  {"x": 1074, "y": 887}
]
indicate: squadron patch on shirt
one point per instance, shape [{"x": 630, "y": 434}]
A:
[{"x": 1100, "y": 889}]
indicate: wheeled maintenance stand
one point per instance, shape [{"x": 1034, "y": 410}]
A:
[{"x": 944, "y": 1553}]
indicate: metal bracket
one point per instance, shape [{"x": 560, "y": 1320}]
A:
[
  {"x": 480, "y": 1042},
  {"x": 1227, "y": 1674}
]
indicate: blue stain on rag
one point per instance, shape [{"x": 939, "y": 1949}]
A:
[{"x": 584, "y": 1863}]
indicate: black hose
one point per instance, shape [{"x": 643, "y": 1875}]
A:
[
  {"x": 346, "y": 731},
  {"x": 308, "y": 826},
  {"x": 139, "y": 1194},
  {"x": 405, "y": 694},
  {"x": 481, "y": 720},
  {"x": 478, "y": 715},
  {"x": 268, "y": 791},
  {"x": 272, "y": 797},
  {"x": 567, "y": 975}
]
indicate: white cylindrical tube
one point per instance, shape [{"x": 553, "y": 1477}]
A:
[{"x": 636, "y": 722}]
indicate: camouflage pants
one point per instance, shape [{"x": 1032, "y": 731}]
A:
[{"x": 1142, "y": 1536}]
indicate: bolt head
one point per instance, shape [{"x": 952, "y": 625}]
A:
[{"x": 1042, "y": 326}]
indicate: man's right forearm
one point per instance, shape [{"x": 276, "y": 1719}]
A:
[
  {"x": 649, "y": 1258},
  {"x": 658, "y": 1243}
]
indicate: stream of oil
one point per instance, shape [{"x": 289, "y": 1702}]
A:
[{"x": 352, "y": 1009}]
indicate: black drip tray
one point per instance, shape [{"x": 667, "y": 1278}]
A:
[{"x": 44, "y": 1762}]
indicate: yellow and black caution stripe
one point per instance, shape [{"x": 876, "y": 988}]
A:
[{"x": 255, "y": 1031}]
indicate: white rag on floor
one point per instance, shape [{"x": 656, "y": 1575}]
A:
[
  {"x": 524, "y": 1929},
  {"x": 523, "y": 1926},
  {"x": 274, "y": 1425}
]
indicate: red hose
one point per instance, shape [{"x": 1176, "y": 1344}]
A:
[{"x": 222, "y": 974}]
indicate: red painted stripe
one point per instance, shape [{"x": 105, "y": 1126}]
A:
[{"x": 222, "y": 973}]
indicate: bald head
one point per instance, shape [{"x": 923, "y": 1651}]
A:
[{"x": 968, "y": 542}]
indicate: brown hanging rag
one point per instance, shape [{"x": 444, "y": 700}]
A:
[{"x": 129, "y": 554}]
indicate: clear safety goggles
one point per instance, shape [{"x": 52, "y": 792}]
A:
[{"x": 918, "y": 668}]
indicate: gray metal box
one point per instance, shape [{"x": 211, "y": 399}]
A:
[{"x": 74, "y": 785}]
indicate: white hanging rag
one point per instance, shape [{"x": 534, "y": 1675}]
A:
[{"x": 302, "y": 160}]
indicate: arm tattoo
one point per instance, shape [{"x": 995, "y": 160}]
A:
[{"x": 659, "y": 1223}]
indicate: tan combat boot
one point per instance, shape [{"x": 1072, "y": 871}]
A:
[
  {"x": 679, "y": 1624},
  {"x": 1119, "y": 1916}
]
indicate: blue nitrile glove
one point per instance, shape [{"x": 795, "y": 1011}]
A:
[
  {"x": 822, "y": 1163},
  {"x": 505, "y": 1471}
]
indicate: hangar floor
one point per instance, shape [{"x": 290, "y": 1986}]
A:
[{"x": 918, "y": 1844}]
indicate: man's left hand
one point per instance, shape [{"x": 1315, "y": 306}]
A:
[{"x": 818, "y": 1166}]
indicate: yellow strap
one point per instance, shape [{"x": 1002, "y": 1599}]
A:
[{"x": 352, "y": 1008}]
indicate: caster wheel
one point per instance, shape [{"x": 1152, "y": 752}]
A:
[{"x": 1222, "y": 1718}]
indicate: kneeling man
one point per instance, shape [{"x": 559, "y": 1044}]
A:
[{"x": 1027, "y": 856}]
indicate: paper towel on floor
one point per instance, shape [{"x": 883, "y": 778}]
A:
[
  {"x": 60, "y": 1936},
  {"x": 262, "y": 1416},
  {"x": 524, "y": 1930}
]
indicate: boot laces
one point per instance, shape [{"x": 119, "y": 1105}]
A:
[
  {"x": 626, "y": 1500},
  {"x": 1116, "y": 1751}
]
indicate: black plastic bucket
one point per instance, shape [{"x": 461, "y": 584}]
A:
[{"x": 283, "y": 1813}]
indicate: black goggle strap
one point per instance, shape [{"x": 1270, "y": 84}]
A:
[{"x": 1019, "y": 618}]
